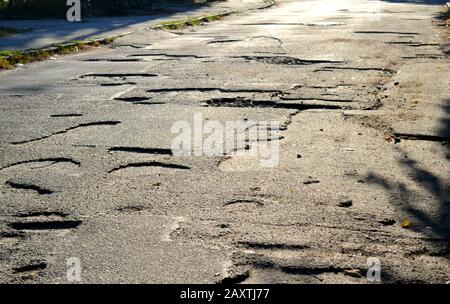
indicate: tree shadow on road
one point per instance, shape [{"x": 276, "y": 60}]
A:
[{"x": 414, "y": 199}]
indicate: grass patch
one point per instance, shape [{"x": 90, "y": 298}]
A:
[
  {"x": 193, "y": 21},
  {"x": 9, "y": 59},
  {"x": 446, "y": 16},
  {"x": 5, "y": 64}
]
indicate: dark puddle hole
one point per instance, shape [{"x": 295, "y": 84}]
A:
[
  {"x": 285, "y": 60},
  {"x": 211, "y": 89},
  {"x": 167, "y": 55},
  {"x": 424, "y": 137},
  {"x": 359, "y": 69},
  {"x": 282, "y": 246},
  {"x": 294, "y": 270},
  {"x": 387, "y": 222},
  {"x": 32, "y": 267},
  {"x": 132, "y": 99},
  {"x": 26, "y": 186},
  {"x": 386, "y": 32},
  {"x": 424, "y": 56},
  {"x": 66, "y": 115},
  {"x": 118, "y": 75},
  {"x": 241, "y": 102},
  {"x": 412, "y": 44},
  {"x": 159, "y": 151},
  {"x": 45, "y": 225},
  {"x": 12, "y": 234},
  {"x": 113, "y": 60},
  {"x": 42, "y": 213},
  {"x": 311, "y": 181},
  {"x": 40, "y": 160},
  {"x": 116, "y": 84},
  {"x": 150, "y": 164},
  {"x": 138, "y": 100},
  {"x": 318, "y": 98},
  {"x": 309, "y": 271},
  {"x": 134, "y": 46},
  {"x": 224, "y": 41}
]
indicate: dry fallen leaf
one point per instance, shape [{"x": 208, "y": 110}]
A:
[{"x": 406, "y": 224}]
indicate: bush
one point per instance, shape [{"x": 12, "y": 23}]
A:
[
  {"x": 21, "y": 9},
  {"x": 38, "y": 9},
  {"x": 117, "y": 7}
]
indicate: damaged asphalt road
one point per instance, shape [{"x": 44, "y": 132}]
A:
[{"x": 361, "y": 90}]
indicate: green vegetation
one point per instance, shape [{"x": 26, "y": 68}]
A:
[
  {"x": 24, "y": 9},
  {"x": 38, "y": 9},
  {"x": 9, "y": 59},
  {"x": 180, "y": 24}
]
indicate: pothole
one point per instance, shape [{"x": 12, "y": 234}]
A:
[
  {"x": 45, "y": 225},
  {"x": 67, "y": 115},
  {"x": 46, "y": 161},
  {"x": 247, "y": 202},
  {"x": 32, "y": 267},
  {"x": 241, "y": 102},
  {"x": 149, "y": 164},
  {"x": 142, "y": 150},
  {"x": 28, "y": 186},
  {"x": 81, "y": 125},
  {"x": 117, "y": 75},
  {"x": 286, "y": 60}
]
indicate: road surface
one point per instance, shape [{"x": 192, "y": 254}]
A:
[{"x": 89, "y": 180}]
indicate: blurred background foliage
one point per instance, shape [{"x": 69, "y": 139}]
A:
[{"x": 39, "y": 9}]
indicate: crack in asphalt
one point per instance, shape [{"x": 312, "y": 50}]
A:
[
  {"x": 42, "y": 213},
  {"x": 271, "y": 246},
  {"x": 386, "y": 32},
  {"x": 424, "y": 137},
  {"x": 168, "y": 55},
  {"x": 81, "y": 125},
  {"x": 316, "y": 98},
  {"x": 54, "y": 160},
  {"x": 244, "y": 202},
  {"x": 117, "y": 75},
  {"x": 235, "y": 278},
  {"x": 67, "y": 115},
  {"x": 285, "y": 60},
  {"x": 46, "y": 225},
  {"x": 141, "y": 150},
  {"x": 359, "y": 69},
  {"x": 31, "y": 267},
  {"x": 150, "y": 164},
  {"x": 116, "y": 84}
]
